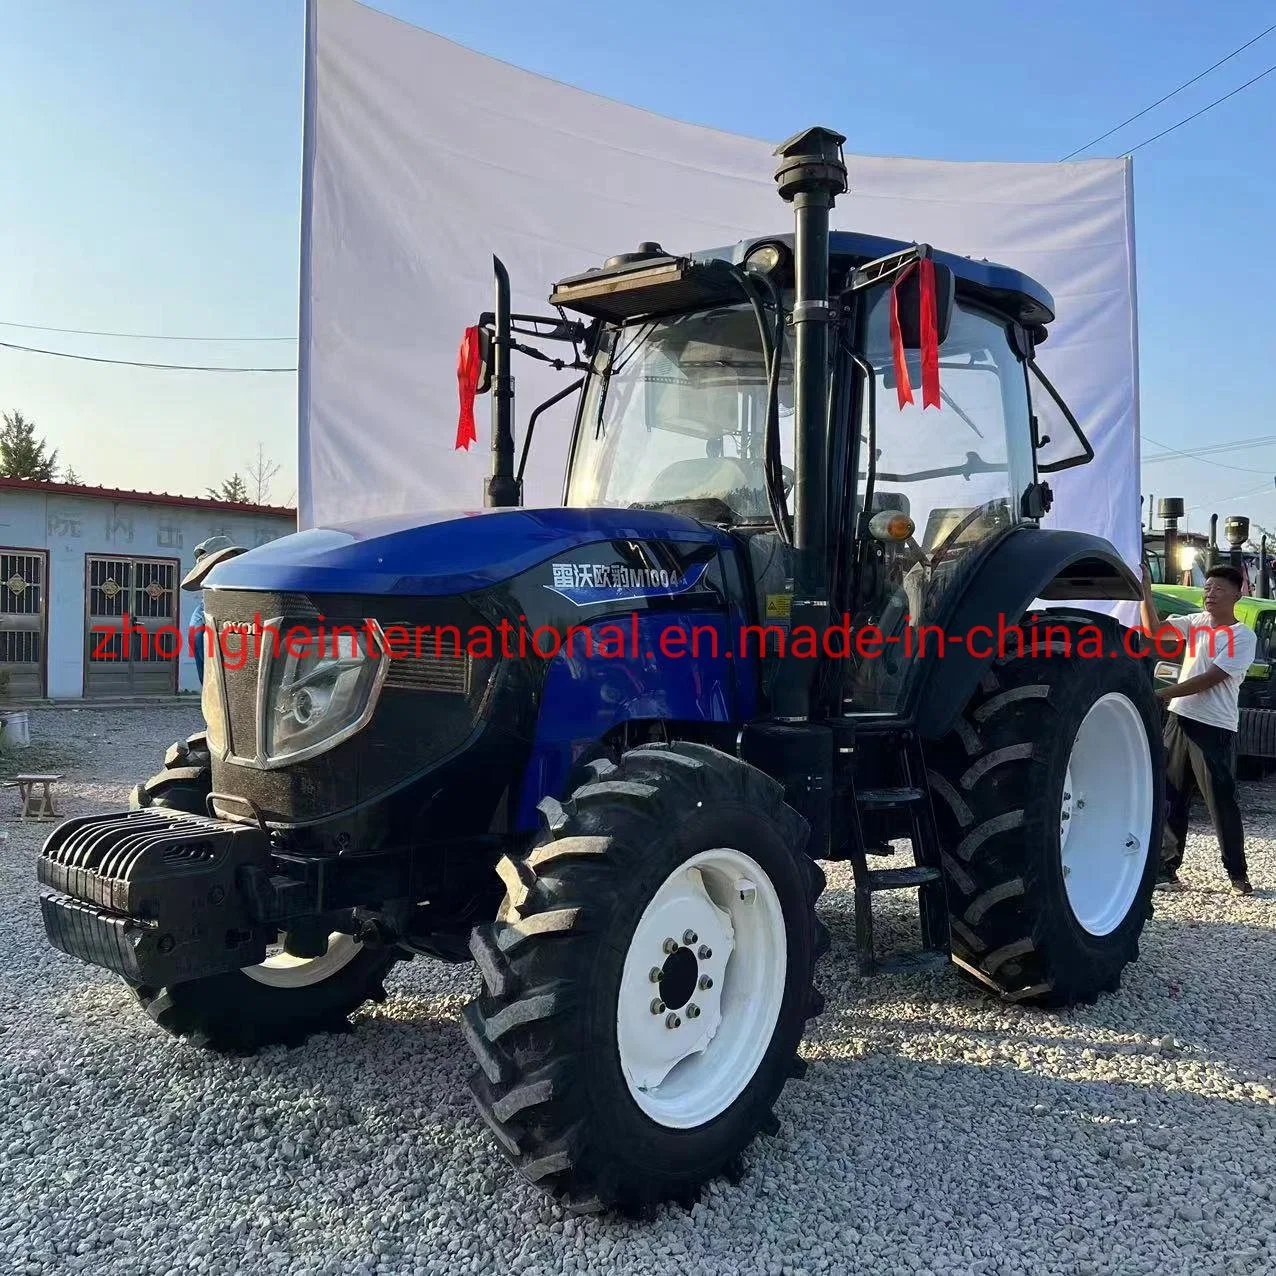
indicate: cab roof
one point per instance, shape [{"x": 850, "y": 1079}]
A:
[{"x": 1010, "y": 290}]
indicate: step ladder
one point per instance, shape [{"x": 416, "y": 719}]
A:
[{"x": 911, "y": 796}]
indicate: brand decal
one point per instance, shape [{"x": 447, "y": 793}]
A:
[
  {"x": 244, "y": 628},
  {"x": 586, "y": 583}
]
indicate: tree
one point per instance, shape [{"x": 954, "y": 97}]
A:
[
  {"x": 22, "y": 455},
  {"x": 232, "y": 489},
  {"x": 260, "y": 474},
  {"x": 70, "y": 476}
]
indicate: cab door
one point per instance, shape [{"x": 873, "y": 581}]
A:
[{"x": 961, "y": 473}]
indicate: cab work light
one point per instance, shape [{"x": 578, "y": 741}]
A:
[{"x": 647, "y": 284}]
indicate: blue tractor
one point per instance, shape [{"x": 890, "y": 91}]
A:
[{"x": 638, "y": 721}]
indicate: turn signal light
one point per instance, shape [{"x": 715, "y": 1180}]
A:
[{"x": 890, "y": 525}]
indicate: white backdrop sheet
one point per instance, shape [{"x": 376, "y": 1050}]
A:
[{"x": 422, "y": 159}]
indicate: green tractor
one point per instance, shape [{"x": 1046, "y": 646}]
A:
[{"x": 821, "y": 620}]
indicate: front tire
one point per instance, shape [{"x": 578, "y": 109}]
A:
[
  {"x": 648, "y": 980},
  {"x": 280, "y": 1002},
  {"x": 1048, "y": 795},
  {"x": 283, "y": 1000},
  {"x": 185, "y": 781}
]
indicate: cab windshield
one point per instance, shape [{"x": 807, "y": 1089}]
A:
[{"x": 674, "y": 416}]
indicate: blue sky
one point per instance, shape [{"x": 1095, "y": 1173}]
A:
[{"x": 151, "y": 155}]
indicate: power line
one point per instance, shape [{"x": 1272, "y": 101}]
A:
[
  {"x": 1194, "y": 454},
  {"x": 1236, "y": 496},
  {"x": 1186, "y": 83},
  {"x": 1195, "y": 114},
  {"x": 1175, "y": 454},
  {"x": 1262, "y": 440},
  {"x": 135, "y": 363},
  {"x": 140, "y": 336}
]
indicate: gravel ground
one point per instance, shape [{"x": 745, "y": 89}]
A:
[{"x": 937, "y": 1131}]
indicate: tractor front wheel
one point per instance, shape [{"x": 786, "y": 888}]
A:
[
  {"x": 185, "y": 781},
  {"x": 648, "y": 980},
  {"x": 281, "y": 1001}
]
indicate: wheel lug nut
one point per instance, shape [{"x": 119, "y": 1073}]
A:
[
  {"x": 704, "y": 952},
  {"x": 693, "y": 1011},
  {"x": 689, "y": 936},
  {"x": 670, "y": 945},
  {"x": 655, "y": 974},
  {"x": 657, "y": 1006},
  {"x": 705, "y": 983},
  {"x": 672, "y": 1021}
]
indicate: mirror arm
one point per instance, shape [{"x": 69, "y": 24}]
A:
[{"x": 531, "y": 422}]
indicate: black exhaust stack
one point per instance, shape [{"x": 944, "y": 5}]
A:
[
  {"x": 1236, "y": 529},
  {"x": 1170, "y": 508},
  {"x": 810, "y": 175},
  {"x": 503, "y": 488}
]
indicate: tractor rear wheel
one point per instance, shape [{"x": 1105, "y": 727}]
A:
[
  {"x": 1048, "y": 796},
  {"x": 648, "y": 979}
]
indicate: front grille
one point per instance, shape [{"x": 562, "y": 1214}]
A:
[
  {"x": 239, "y": 658},
  {"x": 446, "y": 672}
]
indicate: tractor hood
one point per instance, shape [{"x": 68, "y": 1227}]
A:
[{"x": 440, "y": 553}]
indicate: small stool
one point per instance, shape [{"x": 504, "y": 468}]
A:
[{"x": 37, "y": 804}]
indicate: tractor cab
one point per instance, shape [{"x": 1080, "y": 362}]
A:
[{"x": 692, "y": 411}]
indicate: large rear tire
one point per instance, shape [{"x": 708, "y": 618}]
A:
[
  {"x": 1048, "y": 796},
  {"x": 648, "y": 979}
]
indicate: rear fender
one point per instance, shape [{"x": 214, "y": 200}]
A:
[{"x": 1028, "y": 563}]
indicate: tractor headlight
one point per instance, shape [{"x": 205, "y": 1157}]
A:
[{"x": 318, "y": 688}]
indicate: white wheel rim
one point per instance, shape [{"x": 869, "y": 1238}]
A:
[
  {"x": 684, "y": 1068},
  {"x": 1105, "y": 815},
  {"x": 283, "y": 970}
]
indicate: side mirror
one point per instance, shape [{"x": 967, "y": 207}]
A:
[{"x": 909, "y": 295}]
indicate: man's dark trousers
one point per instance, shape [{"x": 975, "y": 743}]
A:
[{"x": 1202, "y": 757}]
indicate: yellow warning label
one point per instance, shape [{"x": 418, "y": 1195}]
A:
[{"x": 778, "y": 606}]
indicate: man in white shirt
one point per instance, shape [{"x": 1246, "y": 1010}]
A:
[{"x": 1204, "y": 713}]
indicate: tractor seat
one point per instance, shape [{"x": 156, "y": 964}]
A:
[{"x": 701, "y": 478}]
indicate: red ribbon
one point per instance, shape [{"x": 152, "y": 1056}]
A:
[
  {"x": 928, "y": 333},
  {"x": 467, "y": 379},
  {"x": 903, "y": 386}
]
